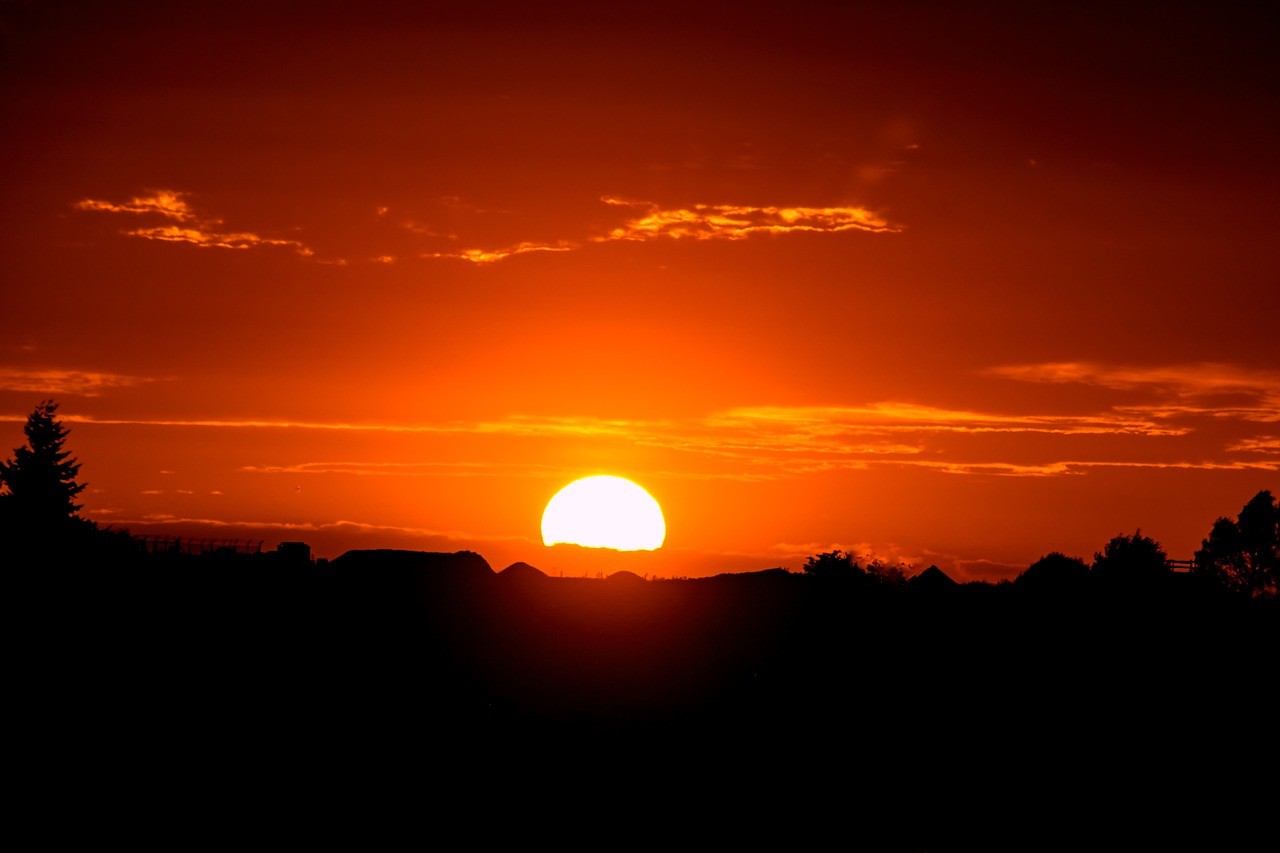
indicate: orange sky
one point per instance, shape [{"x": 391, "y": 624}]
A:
[{"x": 957, "y": 285}]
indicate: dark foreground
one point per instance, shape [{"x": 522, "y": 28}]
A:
[{"x": 180, "y": 700}]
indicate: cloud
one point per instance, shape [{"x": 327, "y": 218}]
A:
[
  {"x": 84, "y": 383},
  {"x": 489, "y": 256},
  {"x": 759, "y": 443},
  {"x": 1201, "y": 378},
  {"x": 161, "y": 519},
  {"x": 1057, "y": 468},
  {"x": 214, "y": 239},
  {"x": 699, "y": 222},
  {"x": 863, "y": 552},
  {"x": 779, "y": 441},
  {"x": 1183, "y": 379},
  {"x": 181, "y": 222},
  {"x": 462, "y": 468},
  {"x": 255, "y": 423},
  {"x": 194, "y": 228},
  {"x": 411, "y": 469},
  {"x": 900, "y": 416},
  {"x": 1205, "y": 389},
  {"x": 1261, "y": 444},
  {"x": 737, "y": 222},
  {"x": 1266, "y": 411},
  {"x": 756, "y": 454},
  {"x": 981, "y": 569},
  {"x": 166, "y": 203}
]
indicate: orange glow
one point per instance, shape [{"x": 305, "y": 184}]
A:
[{"x": 920, "y": 284}]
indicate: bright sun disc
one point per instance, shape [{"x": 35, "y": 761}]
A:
[{"x": 604, "y": 512}]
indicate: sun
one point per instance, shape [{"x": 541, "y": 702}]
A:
[{"x": 604, "y": 512}]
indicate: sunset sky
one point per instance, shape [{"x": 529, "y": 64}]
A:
[{"x": 957, "y": 284}]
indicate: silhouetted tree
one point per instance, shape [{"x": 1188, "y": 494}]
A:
[
  {"x": 1054, "y": 572},
  {"x": 1135, "y": 559},
  {"x": 887, "y": 574},
  {"x": 1242, "y": 555},
  {"x": 834, "y": 565},
  {"x": 39, "y": 481}
]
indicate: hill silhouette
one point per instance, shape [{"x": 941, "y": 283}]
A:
[
  {"x": 933, "y": 578},
  {"x": 522, "y": 572}
]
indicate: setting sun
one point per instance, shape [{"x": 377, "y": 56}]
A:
[{"x": 604, "y": 512}]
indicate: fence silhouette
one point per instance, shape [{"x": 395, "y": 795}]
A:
[{"x": 154, "y": 544}]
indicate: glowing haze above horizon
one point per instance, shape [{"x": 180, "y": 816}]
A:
[{"x": 950, "y": 285}]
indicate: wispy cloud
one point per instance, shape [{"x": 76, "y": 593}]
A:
[
  {"x": 166, "y": 203},
  {"x": 489, "y": 256},
  {"x": 84, "y": 383},
  {"x": 902, "y": 416},
  {"x": 800, "y": 436},
  {"x": 253, "y": 423},
  {"x": 863, "y": 552},
  {"x": 210, "y": 238},
  {"x": 1190, "y": 379},
  {"x": 410, "y": 469},
  {"x": 1265, "y": 411},
  {"x": 1206, "y": 389},
  {"x": 770, "y": 442},
  {"x": 737, "y": 222},
  {"x": 755, "y": 443},
  {"x": 465, "y": 468},
  {"x": 716, "y": 437},
  {"x": 192, "y": 227},
  {"x": 148, "y": 520},
  {"x": 175, "y": 219},
  {"x": 1269, "y": 444},
  {"x": 697, "y": 222},
  {"x": 980, "y": 569},
  {"x": 1052, "y": 469}
]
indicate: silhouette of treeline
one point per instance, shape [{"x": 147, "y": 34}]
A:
[{"x": 923, "y": 703}]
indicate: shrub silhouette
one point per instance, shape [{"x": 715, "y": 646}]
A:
[
  {"x": 1131, "y": 560},
  {"x": 834, "y": 565},
  {"x": 1054, "y": 572}
]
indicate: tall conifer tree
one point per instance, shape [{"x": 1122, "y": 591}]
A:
[{"x": 39, "y": 484}]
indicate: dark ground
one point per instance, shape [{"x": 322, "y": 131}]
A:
[{"x": 173, "y": 699}]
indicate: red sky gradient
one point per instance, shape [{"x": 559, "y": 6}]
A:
[{"x": 956, "y": 284}]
